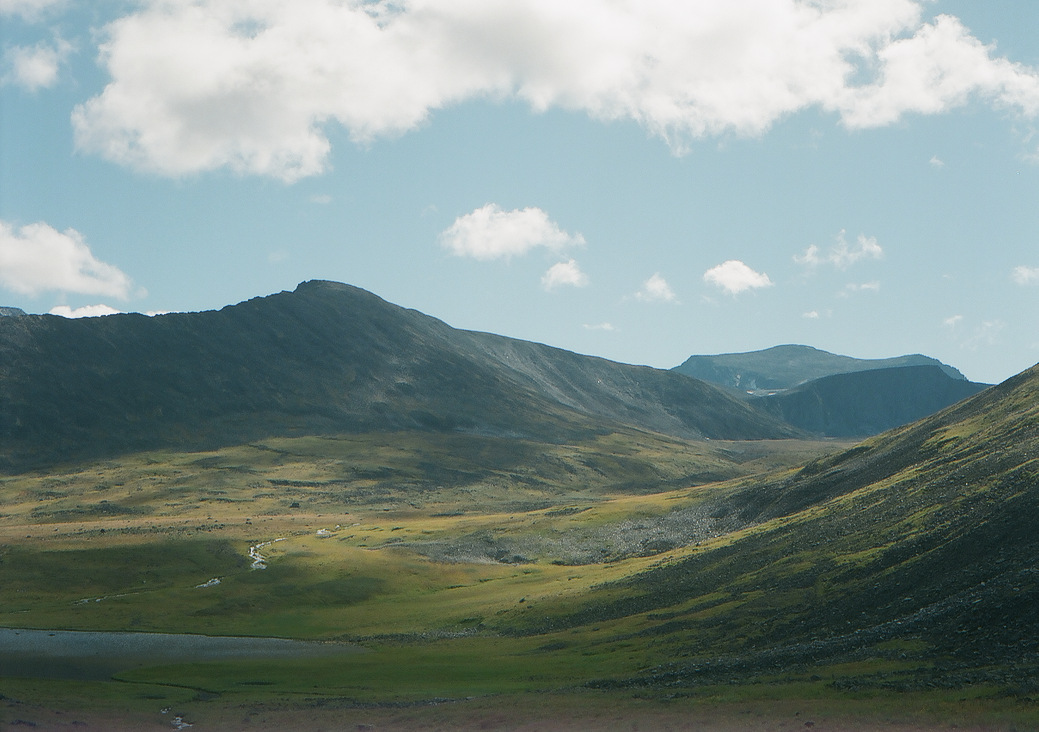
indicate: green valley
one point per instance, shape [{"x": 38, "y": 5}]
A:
[{"x": 578, "y": 572}]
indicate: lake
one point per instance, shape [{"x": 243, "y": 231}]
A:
[{"x": 93, "y": 655}]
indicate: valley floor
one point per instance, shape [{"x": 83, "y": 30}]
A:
[
  {"x": 493, "y": 585},
  {"x": 557, "y": 712}
]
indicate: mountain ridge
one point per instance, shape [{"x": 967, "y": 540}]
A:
[
  {"x": 787, "y": 366},
  {"x": 326, "y": 357},
  {"x": 864, "y": 403}
]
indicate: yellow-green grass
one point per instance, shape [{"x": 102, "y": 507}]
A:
[
  {"x": 124, "y": 545},
  {"x": 724, "y": 708}
]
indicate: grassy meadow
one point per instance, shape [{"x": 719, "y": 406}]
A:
[{"x": 491, "y": 581}]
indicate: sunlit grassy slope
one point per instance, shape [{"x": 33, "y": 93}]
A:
[{"x": 626, "y": 563}]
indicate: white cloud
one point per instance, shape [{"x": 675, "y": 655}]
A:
[
  {"x": 87, "y": 311},
  {"x": 941, "y": 66},
  {"x": 35, "y": 67},
  {"x": 38, "y": 258},
  {"x": 491, "y": 233},
  {"x": 811, "y": 315},
  {"x": 252, "y": 84},
  {"x": 862, "y": 287},
  {"x": 842, "y": 255},
  {"x": 1023, "y": 275},
  {"x": 608, "y": 327},
  {"x": 937, "y": 162},
  {"x": 656, "y": 289},
  {"x": 953, "y": 320},
  {"x": 564, "y": 273},
  {"x": 734, "y": 277}
]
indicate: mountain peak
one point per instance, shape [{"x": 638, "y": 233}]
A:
[{"x": 327, "y": 358}]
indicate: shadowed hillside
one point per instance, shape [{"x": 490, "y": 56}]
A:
[
  {"x": 325, "y": 358},
  {"x": 916, "y": 545},
  {"x": 865, "y": 403}
]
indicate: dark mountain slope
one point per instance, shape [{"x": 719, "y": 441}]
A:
[
  {"x": 918, "y": 545},
  {"x": 637, "y": 395},
  {"x": 784, "y": 367},
  {"x": 325, "y": 358},
  {"x": 865, "y": 403}
]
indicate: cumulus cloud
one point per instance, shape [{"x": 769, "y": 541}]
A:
[
  {"x": 937, "y": 162},
  {"x": 1024, "y": 275},
  {"x": 734, "y": 277},
  {"x": 842, "y": 255},
  {"x": 35, "y": 67},
  {"x": 811, "y": 315},
  {"x": 564, "y": 273},
  {"x": 491, "y": 233},
  {"x": 252, "y": 85},
  {"x": 953, "y": 320},
  {"x": 608, "y": 327},
  {"x": 656, "y": 289},
  {"x": 939, "y": 67},
  {"x": 38, "y": 258},
  {"x": 87, "y": 311}
]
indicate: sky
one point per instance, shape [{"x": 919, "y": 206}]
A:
[{"x": 641, "y": 180}]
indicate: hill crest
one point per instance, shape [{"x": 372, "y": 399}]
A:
[{"x": 325, "y": 358}]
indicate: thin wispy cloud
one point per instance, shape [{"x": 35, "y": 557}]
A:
[
  {"x": 564, "y": 274},
  {"x": 656, "y": 289},
  {"x": 608, "y": 327},
  {"x": 29, "y": 10},
  {"x": 735, "y": 277},
  {"x": 192, "y": 86},
  {"x": 983, "y": 335},
  {"x": 492, "y": 233},
  {"x": 38, "y": 258},
  {"x": 842, "y": 255},
  {"x": 862, "y": 287}
]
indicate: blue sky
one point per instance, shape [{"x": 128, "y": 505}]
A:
[{"x": 640, "y": 181}]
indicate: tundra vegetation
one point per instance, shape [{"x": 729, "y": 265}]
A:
[
  {"x": 496, "y": 581},
  {"x": 512, "y": 535}
]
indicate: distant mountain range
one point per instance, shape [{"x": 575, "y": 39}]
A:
[
  {"x": 865, "y": 403},
  {"x": 331, "y": 358},
  {"x": 784, "y": 367},
  {"x": 325, "y": 358},
  {"x": 832, "y": 395}
]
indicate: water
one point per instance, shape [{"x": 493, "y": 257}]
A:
[{"x": 96, "y": 655}]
